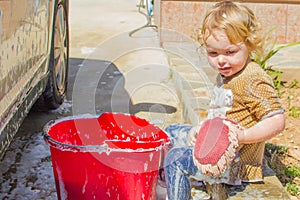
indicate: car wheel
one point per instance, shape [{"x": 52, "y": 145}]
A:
[{"x": 56, "y": 87}]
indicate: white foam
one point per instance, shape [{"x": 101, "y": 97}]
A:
[
  {"x": 87, "y": 50},
  {"x": 65, "y": 107}
]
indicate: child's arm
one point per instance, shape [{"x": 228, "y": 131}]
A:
[{"x": 262, "y": 131}]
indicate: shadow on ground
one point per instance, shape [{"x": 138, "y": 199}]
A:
[{"x": 101, "y": 85}]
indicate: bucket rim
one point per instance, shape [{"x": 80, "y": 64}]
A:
[{"x": 94, "y": 148}]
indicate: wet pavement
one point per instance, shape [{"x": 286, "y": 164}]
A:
[{"x": 26, "y": 168}]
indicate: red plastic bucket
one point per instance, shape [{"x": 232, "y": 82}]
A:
[{"x": 113, "y": 156}]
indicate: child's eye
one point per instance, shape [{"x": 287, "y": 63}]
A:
[
  {"x": 230, "y": 52},
  {"x": 212, "y": 53}
]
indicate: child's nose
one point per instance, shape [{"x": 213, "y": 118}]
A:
[{"x": 221, "y": 60}]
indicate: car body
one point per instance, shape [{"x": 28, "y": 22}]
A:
[{"x": 34, "y": 44}]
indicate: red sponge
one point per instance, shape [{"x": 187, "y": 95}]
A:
[
  {"x": 212, "y": 141},
  {"x": 215, "y": 146}
]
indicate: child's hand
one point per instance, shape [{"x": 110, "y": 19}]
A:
[{"x": 193, "y": 134}]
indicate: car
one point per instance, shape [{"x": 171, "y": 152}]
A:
[{"x": 34, "y": 44}]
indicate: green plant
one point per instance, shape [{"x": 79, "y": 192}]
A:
[
  {"x": 292, "y": 171},
  {"x": 294, "y": 84},
  {"x": 294, "y": 111},
  {"x": 288, "y": 175},
  {"x": 273, "y": 149},
  {"x": 292, "y": 188},
  {"x": 271, "y": 49}
]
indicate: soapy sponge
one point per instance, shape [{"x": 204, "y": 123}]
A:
[{"x": 215, "y": 147}]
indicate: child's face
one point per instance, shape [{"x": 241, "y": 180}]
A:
[{"x": 226, "y": 58}]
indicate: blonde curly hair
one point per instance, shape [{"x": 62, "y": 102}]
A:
[{"x": 237, "y": 21}]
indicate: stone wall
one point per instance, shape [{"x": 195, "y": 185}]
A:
[{"x": 184, "y": 17}]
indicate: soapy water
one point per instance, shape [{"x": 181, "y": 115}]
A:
[
  {"x": 64, "y": 108},
  {"x": 87, "y": 50},
  {"x": 27, "y": 170}
]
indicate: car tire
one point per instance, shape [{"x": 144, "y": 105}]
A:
[{"x": 56, "y": 88}]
